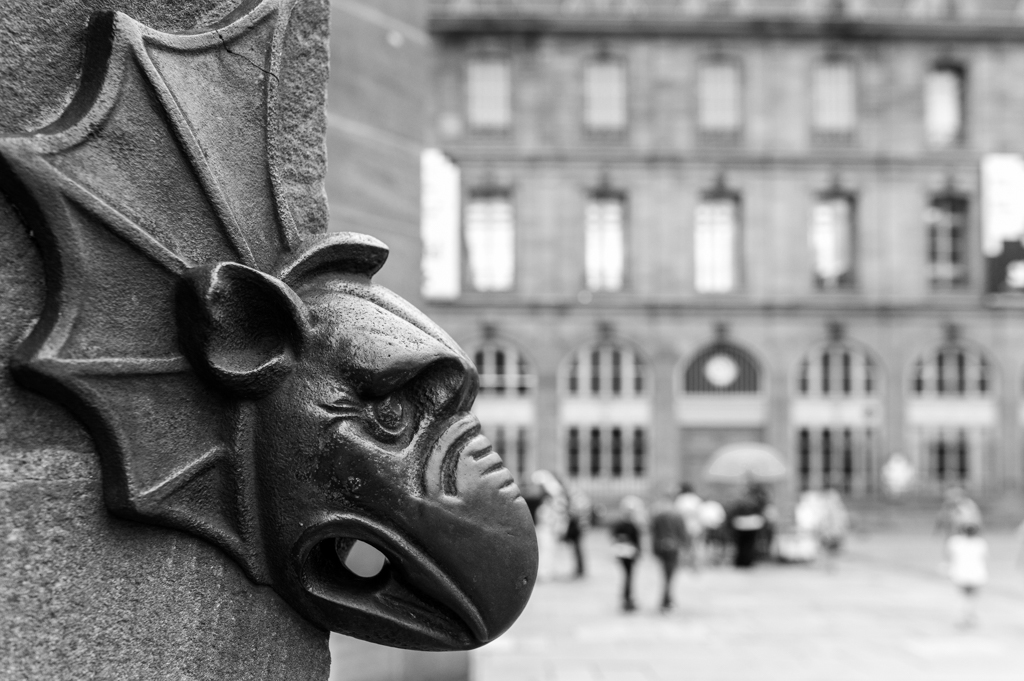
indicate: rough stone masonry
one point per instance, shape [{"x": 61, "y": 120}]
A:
[{"x": 84, "y": 594}]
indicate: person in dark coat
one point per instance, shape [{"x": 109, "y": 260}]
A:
[
  {"x": 668, "y": 538},
  {"x": 746, "y": 522},
  {"x": 626, "y": 545},
  {"x": 579, "y": 511}
]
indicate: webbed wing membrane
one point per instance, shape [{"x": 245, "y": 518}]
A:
[{"x": 164, "y": 160}]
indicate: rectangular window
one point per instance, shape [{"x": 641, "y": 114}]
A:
[
  {"x": 595, "y": 452},
  {"x": 832, "y": 242},
  {"x": 498, "y": 442},
  {"x": 950, "y": 456},
  {"x": 489, "y": 94},
  {"x": 834, "y": 100},
  {"x": 847, "y": 477},
  {"x": 605, "y": 243},
  {"x": 440, "y": 226},
  {"x": 804, "y": 448},
  {"x": 616, "y": 372},
  {"x": 826, "y": 457},
  {"x": 639, "y": 453},
  {"x": 604, "y": 96},
  {"x": 490, "y": 242},
  {"x": 716, "y": 245},
  {"x": 946, "y": 225},
  {"x": 944, "y": 106},
  {"x": 616, "y": 452},
  {"x": 574, "y": 452},
  {"x": 719, "y": 98},
  {"x": 522, "y": 452}
]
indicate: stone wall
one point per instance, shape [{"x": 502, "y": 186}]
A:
[
  {"x": 86, "y": 595},
  {"x": 376, "y": 113}
]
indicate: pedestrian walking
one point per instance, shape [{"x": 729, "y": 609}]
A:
[
  {"x": 714, "y": 533},
  {"x": 688, "y": 504},
  {"x": 958, "y": 510},
  {"x": 833, "y": 525},
  {"x": 669, "y": 538},
  {"x": 967, "y": 554},
  {"x": 579, "y": 510},
  {"x": 626, "y": 544}
]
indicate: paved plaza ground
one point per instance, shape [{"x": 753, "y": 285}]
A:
[{"x": 886, "y": 612}]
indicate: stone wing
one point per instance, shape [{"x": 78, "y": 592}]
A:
[{"x": 163, "y": 160}]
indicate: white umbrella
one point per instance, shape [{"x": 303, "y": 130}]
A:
[{"x": 746, "y": 462}]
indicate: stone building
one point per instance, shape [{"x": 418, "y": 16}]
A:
[{"x": 687, "y": 223}]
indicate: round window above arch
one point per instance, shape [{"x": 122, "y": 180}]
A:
[{"x": 722, "y": 368}]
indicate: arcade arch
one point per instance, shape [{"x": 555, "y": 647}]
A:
[
  {"x": 719, "y": 400},
  {"x": 837, "y": 416},
  {"x": 952, "y": 415},
  {"x": 605, "y": 418}
]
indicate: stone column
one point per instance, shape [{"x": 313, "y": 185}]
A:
[{"x": 86, "y": 595}]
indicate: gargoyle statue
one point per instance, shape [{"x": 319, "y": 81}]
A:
[{"x": 244, "y": 385}]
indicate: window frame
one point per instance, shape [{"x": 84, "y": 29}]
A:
[
  {"x": 927, "y": 378},
  {"x": 825, "y": 135},
  {"x": 848, "y": 281},
  {"x": 586, "y": 96},
  {"x": 960, "y": 138},
  {"x": 722, "y": 136},
  {"x": 482, "y": 194},
  {"x": 467, "y": 100},
  {"x": 723, "y": 194},
  {"x": 607, "y": 195},
  {"x": 961, "y": 282}
]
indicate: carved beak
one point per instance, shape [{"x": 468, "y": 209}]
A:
[
  {"x": 459, "y": 541},
  {"x": 465, "y": 577},
  {"x": 390, "y": 603}
]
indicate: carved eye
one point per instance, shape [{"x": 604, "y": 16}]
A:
[
  {"x": 391, "y": 415},
  {"x": 389, "y": 412}
]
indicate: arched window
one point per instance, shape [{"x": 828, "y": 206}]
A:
[
  {"x": 952, "y": 415},
  {"x": 837, "y": 417},
  {"x": 606, "y": 370},
  {"x": 606, "y": 415},
  {"x": 505, "y": 403},
  {"x": 721, "y": 368},
  {"x": 837, "y": 370},
  {"x": 952, "y": 371},
  {"x": 503, "y": 370}
]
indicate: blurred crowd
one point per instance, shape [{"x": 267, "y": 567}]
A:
[{"x": 682, "y": 530}]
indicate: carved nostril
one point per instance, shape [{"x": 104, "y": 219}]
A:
[
  {"x": 341, "y": 562},
  {"x": 361, "y": 559}
]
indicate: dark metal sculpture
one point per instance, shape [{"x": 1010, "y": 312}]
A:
[{"x": 244, "y": 385}]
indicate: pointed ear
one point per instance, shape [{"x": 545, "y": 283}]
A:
[{"x": 241, "y": 329}]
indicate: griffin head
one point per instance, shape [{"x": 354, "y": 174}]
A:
[
  {"x": 356, "y": 410},
  {"x": 241, "y": 383}
]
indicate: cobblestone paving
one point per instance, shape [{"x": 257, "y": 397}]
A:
[{"x": 885, "y": 612}]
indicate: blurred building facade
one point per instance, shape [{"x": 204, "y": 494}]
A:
[
  {"x": 379, "y": 68},
  {"x": 681, "y": 224}
]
